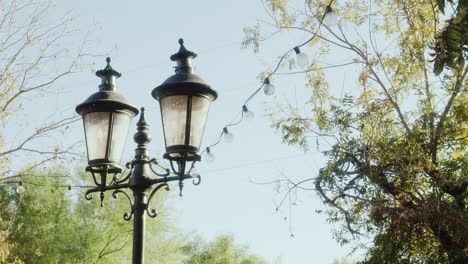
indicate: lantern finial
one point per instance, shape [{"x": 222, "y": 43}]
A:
[
  {"x": 183, "y": 58},
  {"x": 108, "y": 76}
]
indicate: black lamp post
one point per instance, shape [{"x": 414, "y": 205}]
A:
[{"x": 185, "y": 99}]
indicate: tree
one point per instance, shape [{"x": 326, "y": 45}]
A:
[
  {"x": 47, "y": 224},
  {"x": 451, "y": 42},
  {"x": 33, "y": 59},
  {"x": 396, "y": 141},
  {"x": 37, "y": 50},
  {"x": 220, "y": 251}
]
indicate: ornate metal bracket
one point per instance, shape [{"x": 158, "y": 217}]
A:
[
  {"x": 127, "y": 216},
  {"x": 156, "y": 163},
  {"x": 149, "y": 211},
  {"x": 197, "y": 180},
  {"x": 142, "y": 174},
  {"x": 116, "y": 180}
]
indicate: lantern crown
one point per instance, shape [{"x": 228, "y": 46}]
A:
[
  {"x": 107, "y": 98},
  {"x": 108, "y": 76},
  {"x": 184, "y": 81},
  {"x": 183, "y": 58}
]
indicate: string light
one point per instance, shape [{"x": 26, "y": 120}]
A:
[
  {"x": 20, "y": 188},
  {"x": 12, "y": 205},
  {"x": 301, "y": 58},
  {"x": 331, "y": 18},
  {"x": 194, "y": 172},
  {"x": 267, "y": 86},
  {"x": 209, "y": 157},
  {"x": 248, "y": 115},
  {"x": 268, "y": 89},
  {"x": 228, "y": 136}
]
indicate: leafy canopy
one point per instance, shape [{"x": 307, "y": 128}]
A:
[
  {"x": 220, "y": 251},
  {"x": 50, "y": 224},
  {"x": 396, "y": 140}
]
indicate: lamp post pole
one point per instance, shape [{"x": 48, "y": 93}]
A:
[
  {"x": 139, "y": 185},
  {"x": 106, "y": 118}
]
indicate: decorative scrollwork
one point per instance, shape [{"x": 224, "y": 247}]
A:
[
  {"x": 197, "y": 180},
  {"x": 155, "y": 162},
  {"x": 129, "y": 165},
  {"x": 127, "y": 216},
  {"x": 152, "y": 212},
  {"x": 116, "y": 180},
  {"x": 88, "y": 195}
]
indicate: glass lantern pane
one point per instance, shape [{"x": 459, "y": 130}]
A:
[
  {"x": 121, "y": 125},
  {"x": 96, "y": 128},
  {"x": 200, "y": 107},
  {"x": 174, "y": 115}
]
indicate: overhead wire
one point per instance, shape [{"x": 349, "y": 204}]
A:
[{"x": 265, "y": 82}]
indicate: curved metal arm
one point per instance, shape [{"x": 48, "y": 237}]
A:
[
  {"x": 116, "y": 180},
  {"x": 152, "y": 212},
  {"x": 127, "y": 216},
  {"x": 155, "y": 162},
  {"x": 88, "y": 194},
  {"x": 197, "y": 180}
]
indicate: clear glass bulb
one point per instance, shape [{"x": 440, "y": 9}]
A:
[
  {"x": 302, "y": 59},
  {"x": 68, "y": 192},
  {"x": 331, "y": 18},
  {"x": 194, "y": 172},
  {"x": 209, "y": 156},
  {"x": 228, "y": 136},
  {"x": 12, "y": 205},
  {"x": 20, "y": 189},
  {"x": 248, "y": 115},
  {"x": 269, "y": 89}
]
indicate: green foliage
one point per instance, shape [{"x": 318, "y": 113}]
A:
[
  {"x": 251, "y": 38},
  {"x": 451, "y": 43},
  {"x": 396, "y": 140},
  {"x": 220, "y": 251},
  {"x": 38, "y": 49},
  {"x": 48, "y": 225}
]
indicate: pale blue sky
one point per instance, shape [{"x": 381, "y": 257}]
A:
[{"x": 141, "y": 36}]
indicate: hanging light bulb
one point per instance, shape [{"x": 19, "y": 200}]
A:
[
  {"x": 302, "y": 58},
  {"x": 194, "y": 172},
  {"x": 209, "y": 156},
  {"x": 12, "y": 205},
  {"x": 69, "y": 192},
  {"x": 268, "y": 89},
  {"x": 20, "y": 188},
  {"x": 248, "y": 115},
  {"x": 228, "y": 136},
  {"x": 331, "y": 18}
]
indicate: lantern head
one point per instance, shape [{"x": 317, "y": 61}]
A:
[
  {"x": 184, "y": 99},
  {"x": 106, "y": 118}
]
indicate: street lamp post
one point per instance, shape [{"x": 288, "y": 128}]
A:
[{"x": 184, "y": 100}]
